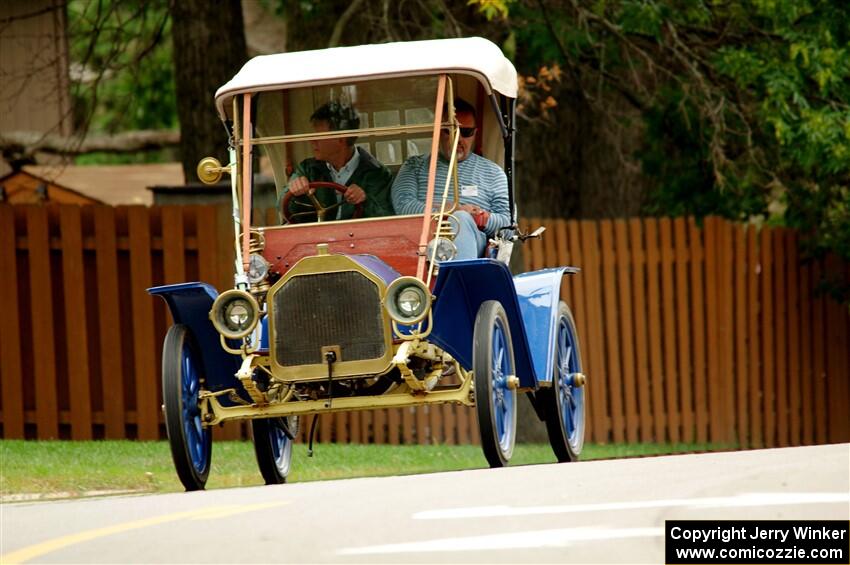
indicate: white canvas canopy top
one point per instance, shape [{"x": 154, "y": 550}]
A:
[{"x": 473, "y": 56}]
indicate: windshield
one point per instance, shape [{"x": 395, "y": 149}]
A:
[
  {"x": 305, "y": 131},
  {"x": 393, "y": 119}
]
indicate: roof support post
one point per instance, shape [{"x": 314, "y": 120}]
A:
[
  {"x": 247, "y": 177},
  {"x": 432, "y": 174}
]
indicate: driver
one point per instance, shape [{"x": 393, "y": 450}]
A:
[{"x": 339, "y": 160}]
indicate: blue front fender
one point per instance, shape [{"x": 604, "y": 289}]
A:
[
  {"x": 530, "y": 301},
  {"x": 190, "y": 304},
  {"x": 461, "y": 288}
]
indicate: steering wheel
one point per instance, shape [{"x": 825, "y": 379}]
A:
[{"x": 316, "y": 207}]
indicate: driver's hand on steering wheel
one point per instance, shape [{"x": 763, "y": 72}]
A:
[
  {"x": 299, "y": 186},
  {"x": 355, "y": 195}
]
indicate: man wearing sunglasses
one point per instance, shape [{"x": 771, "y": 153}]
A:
[{"x": 483, "y": 208}]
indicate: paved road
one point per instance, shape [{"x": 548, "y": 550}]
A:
[{"x": 590, "y": 512}]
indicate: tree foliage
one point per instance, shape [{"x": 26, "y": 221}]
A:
[
  {"x": 329, "y": 23},
  {"x": 122, "y": 72},
  {"x": 744, "y": 103},
  {"x": 127, "y": 71}
]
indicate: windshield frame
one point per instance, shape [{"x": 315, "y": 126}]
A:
[{"x": 243, "y": 141}]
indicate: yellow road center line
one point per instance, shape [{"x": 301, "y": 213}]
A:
[{"x": 209, "y": 513}]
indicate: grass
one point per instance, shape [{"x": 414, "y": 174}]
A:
[{"x": 66, "y": 468}]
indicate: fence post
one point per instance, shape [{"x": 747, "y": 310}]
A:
[
  {"x": 668, "y": 295},
  {"x": 754, "y": 272},
  {"x": 741, "y": 305},
  {"x": 767, "y": 325},
  {"x": 625, "y": 277},
  {"x": 838, "y": 373},
  {"x": 641, "y": 330},
  {"x": 595, "y": 336},
  {"x": 141, "y": 277},
  {"x": 726, "y": 328},
  {"x": 795, "y": 374},
  {"x": 780, "y": 325},
  {"x": 10, "y": 338},
  {"x": 41, "y": 303},
  {"x": 819, "y": 355},
  {"x": 612, "y": 322},
  {"x": 656, "y": 365},
  {"x": 698, "y": 282},
  {"x": 109, "y": 316},
  {"x": 76, "y": 334},
  {"x": 683, "y": 327}
]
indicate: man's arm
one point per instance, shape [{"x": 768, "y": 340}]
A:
[
  {"x": 405, "y": 189},
  {"x": 500, "y": 210},
  {"x": 298, "y": 181},
  {"x": 294, "y": 183},
  {"x": 300, "y": 172}
]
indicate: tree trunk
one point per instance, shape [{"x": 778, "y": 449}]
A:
[
  {"x": 209, "y": 47},
  {"x": 550, "y": 160},
  {"x": 582, "y": 163}
]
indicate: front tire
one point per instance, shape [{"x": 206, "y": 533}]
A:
[
  {"x": 273, "y": 447},
  {"x": 492, "y": 364},
  {"x": 564, "y": 402},
  {"x": 190, "y": 441}
]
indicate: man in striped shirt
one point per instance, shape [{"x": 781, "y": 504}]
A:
[{"x": 483, "y": 187}]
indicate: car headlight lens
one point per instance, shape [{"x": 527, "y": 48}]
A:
[
  {"x": 235, "y": 313},
  {"x": 408, "y": 300},
  {"x": 446, "y": 249}
]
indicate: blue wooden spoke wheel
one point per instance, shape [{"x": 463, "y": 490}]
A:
[
  {"x": 492, "y": 364},
  {"x": 273, "y": 447},
  {"x": 564, "y": 402},
  {"x": 190, "y": 441}
]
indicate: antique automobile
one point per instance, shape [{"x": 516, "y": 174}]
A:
[{"x": 330, "y": 314}]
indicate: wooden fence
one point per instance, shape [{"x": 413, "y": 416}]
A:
[
  {"x": 704, "y": 334},
  {"x": 688, "y": 334}
]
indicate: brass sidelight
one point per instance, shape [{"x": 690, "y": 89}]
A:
[{"x": 210, "y": 170}]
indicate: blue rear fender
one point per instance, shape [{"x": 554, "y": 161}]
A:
[
  {"x": 539, "y": 293},
  {"x": 190, "y": 304}
]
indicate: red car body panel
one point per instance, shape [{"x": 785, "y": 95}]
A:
[{"x": 394, "y": 239}]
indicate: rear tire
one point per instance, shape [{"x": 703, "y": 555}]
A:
[
  {"x": 492, "y": 364},
  {"x": 190, "y": 441},
  {"x": 564, "y": 402}
]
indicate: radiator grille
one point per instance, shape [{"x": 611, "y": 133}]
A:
[{"x": 312, "y": 311}]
